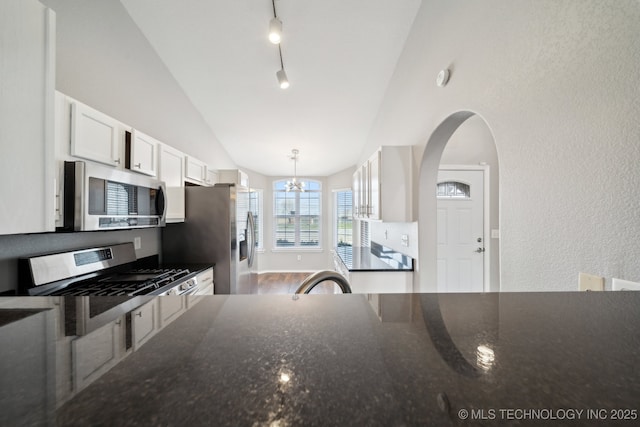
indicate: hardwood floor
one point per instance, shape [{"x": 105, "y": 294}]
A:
[{"x": 287, "y": 283}]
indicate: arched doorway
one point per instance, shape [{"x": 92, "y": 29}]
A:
[{"x": 463, "y": 139}]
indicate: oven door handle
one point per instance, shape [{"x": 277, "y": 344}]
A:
[{"x": 191, "y": 291}]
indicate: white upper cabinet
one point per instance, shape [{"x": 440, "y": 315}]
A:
[
  {"x": 212, "y": 176},
  {"x": 196, "y": 171},
  {"x": 171, "y": 171},
  {"x": 383, "y": 186},
  {"x": 374, "y": 186},
  {"x": 234, "y": 176},
  {"x": 142, "y": 153},
  {"x": 27, "y": 90},
  {"x": 95, "y": 136}
]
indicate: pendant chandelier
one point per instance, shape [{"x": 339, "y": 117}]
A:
[{"x": 294, "y": 184}]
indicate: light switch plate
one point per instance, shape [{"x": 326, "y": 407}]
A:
[
  {"x": 137, "y": 243},
  {"x": 589, "y": 282}
]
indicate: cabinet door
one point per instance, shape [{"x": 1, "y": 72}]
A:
[
  {"x": 144, "y": 324},
  {"x": 94, "y": 354},
  {"x": 356, "y": 194},
  {"x": 171, "y": 307},
  {"x": 374, "y": 186},
  {"x": 364, "y": 190},
  {"x": 95, "y": 136},
  {"x": 27, "y": 90},
  {"x": 195, "y": 170},
  {"x": 171, "y": 171},
  {"x": 143, "y": 153},
  {"x": 212, "y": 176}
]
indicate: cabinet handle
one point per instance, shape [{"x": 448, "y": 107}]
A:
[
  {"x": 139, "y": 314},
  {"x": 117, "y": 161},
  {"x": 138, "y": 165},
  {"x": 118, "y": 322}
]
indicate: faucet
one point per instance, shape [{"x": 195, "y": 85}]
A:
[{"x": 320, "y": 276}]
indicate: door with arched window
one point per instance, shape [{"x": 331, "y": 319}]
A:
[{"x": 461, "y": 241}]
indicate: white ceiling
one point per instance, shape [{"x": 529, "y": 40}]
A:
[{"x": 339, "y": 56}]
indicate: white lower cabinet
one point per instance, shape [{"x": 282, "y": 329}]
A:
[
  {"x": 94, "y": 354},
  {"x": 375, "y": 282},
  {"x": 144, "y": 324},
  {"x": 170, "y": 308},
  {"x": 27, "y": 380}
]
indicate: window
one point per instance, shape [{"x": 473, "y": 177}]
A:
[
  {"x": 297, "y": 215},
  {"x": 344, "y": 222},
  {"x": 453, "y": 190},
  {"x": 255, "y": 201},
  {"x": 365, "y": 239}
]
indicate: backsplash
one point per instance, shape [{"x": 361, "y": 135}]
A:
[
  {"x": 390, "y": 235},
  {"x": 15, "y": 246}
]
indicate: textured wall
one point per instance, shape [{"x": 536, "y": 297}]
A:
[{"x": 557, "y": 83}]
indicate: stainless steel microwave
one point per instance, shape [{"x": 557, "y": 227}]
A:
[{"x": 99, "y": 197}]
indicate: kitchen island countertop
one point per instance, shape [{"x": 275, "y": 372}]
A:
[{"x": 354, "y": 360}]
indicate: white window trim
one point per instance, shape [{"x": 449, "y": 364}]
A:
[
  {"x": 334, "y": 218},
  {"x": 275, "y": 249}
]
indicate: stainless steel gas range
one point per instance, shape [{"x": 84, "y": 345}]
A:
[
  {"x": 109, "y": 271},
  {"x": 97, "y": 285}
]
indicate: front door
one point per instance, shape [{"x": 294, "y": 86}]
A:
[{"x": 460, "y": 196}]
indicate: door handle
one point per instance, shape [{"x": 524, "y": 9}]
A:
[{"x": 479, "y": 250}]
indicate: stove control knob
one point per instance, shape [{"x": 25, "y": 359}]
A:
[{"x": 188, "y": 284}]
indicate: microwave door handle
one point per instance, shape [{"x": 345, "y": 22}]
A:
[{"x": 161, "y": 205}]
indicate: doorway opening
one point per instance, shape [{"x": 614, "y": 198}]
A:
[{"x": 458, "y": 208}]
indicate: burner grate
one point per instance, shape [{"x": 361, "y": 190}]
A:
[{"x": 126, "y": 284}]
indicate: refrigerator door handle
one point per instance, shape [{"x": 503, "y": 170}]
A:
[{"x": 251, "y": 237}]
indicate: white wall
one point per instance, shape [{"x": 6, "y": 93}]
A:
[
  {"x": 104, "y": 61},
  {"x": 557, "y": 83}
]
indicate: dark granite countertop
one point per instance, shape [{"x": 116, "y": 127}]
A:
[
  {"x": 376, "y": 258},
  {"x": 387, "y": 360}
]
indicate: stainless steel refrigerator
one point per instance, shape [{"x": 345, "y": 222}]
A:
[{"x": 218, "y": 229}]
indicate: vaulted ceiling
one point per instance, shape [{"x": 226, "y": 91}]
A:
[{"x": 338, "y": 55}]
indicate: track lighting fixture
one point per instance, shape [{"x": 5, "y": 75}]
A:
[
  {"x": 275, "y": 31},
  {"x": 275, "y": 36},
  {"x": 283, "y": 81}
]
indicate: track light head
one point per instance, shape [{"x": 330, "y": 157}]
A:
[
  {"x": 282, "y": 79},
  {"x": 275, "y": 31}
]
